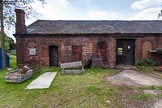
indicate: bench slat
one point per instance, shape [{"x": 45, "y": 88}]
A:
[
  {"x": 71, "y": 64},
  {"x": 67, "y": 68}
]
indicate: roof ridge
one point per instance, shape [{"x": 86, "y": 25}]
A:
[{"x": 103, "y": 20}]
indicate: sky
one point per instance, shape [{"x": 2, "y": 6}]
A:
[{"x": 97, "y": 10}]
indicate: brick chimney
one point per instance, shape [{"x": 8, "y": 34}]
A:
[{"x": 20, "y": 21}]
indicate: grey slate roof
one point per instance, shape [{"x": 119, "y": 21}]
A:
[{"x": 93, "y": 27}]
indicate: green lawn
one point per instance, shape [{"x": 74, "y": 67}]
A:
[
  {"x": 88, "y": 90},
  {"x": 12, "y": 61}
]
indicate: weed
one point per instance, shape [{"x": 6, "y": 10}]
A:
[
  {"x": 147, "y": 62},
  {"x": 141, "y": 96}
]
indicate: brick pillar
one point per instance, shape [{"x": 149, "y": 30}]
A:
[
  {"x": 20, "y": 21},
  {"x": 61, "y": 54},
  {"x": 138, "y": 49},
  {"x": 19, "y": 50},
  {"x": 112, "y": 52}
]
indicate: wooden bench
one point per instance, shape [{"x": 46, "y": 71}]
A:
[{"x": 72, "y": 68}]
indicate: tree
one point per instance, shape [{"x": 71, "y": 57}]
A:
[
  {"x": 160, "y": 14},
  {"x": 11, "y": 5},
  {"x": 7, "y": 8},
  {"x": 9, "y": 43}
]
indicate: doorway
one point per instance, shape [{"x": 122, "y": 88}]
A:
[
  {"x": 53, "y": 55},
  {"x": 125, "y": 52}
]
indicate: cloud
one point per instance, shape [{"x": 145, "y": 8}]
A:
[
  {"x": 146, "y": 9},
  {"x": 56, "y": 9},
  {"x": 142, "y": 4},
  {"x": 146, "y": 14},
  {"x": 66, "y": 10},
  {"x": 88, "y": 10},
  {"x": 102, "y": 15},
  {"x": 62, "y": 3}
]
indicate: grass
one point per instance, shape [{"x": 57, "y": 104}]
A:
[
  {"x": 89, "y": 90},
  {"x": 67, "y": 91},
  {"x": 150, "y": 70},
  {"x": 142, "y": 96},
  {"x": 12, "y": 61}
]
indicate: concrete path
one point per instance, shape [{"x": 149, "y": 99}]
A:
[
  {"x": 138, "y": 79},
  {"x": 158, "y": 104},
  {"x": 134, "y": 78},
  {"x": 43, "y": 81}
]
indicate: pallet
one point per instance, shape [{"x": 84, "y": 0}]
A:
[{"x": 17, "y": 77}]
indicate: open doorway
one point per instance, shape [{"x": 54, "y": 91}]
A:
[{"x": 53, "y": 55}]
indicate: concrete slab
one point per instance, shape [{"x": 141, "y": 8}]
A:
[
  {"x": 43, "y": 81},
  {"x": 158, "y": 104},
  {"x": 134, "y": 78},
  {"x": 153, "y": 92}
]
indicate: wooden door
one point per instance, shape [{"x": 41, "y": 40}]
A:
[
  {"x": 102, "y": 50},
  {"x": 125, "y": 52},
  {"x": 77, "y": 53},
  {"x": 53, "y": 55}
]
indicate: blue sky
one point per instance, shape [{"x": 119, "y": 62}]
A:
[
  {"x": 98, "y": 10},
  {"x": 109, "y": 5}
]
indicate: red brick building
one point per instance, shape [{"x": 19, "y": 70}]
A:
[{"x": 53, "y": 42}]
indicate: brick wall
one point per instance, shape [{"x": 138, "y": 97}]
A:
[
  {"x": 111, "y": 52},
  {"x": 65, "y": 42},
  {"x": 20, "y": 21},
  {"x": 156, "y": 42}
]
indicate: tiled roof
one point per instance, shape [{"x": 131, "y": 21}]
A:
[{"x": 93, "y": 27}]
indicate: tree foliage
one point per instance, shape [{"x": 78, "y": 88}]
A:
[
  {"x": 11, "y": 5},
  {"x": 7, "y": 12},
  {"x": 9, "y": 43},
  {"x": 160, "y": 13}
]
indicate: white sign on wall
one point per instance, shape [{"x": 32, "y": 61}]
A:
[{"x": 32, "y": 51}]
